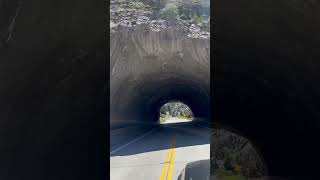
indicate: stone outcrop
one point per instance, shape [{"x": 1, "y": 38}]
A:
[{"x": 133, "y": 13}]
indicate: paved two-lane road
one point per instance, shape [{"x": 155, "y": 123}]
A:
[{"x": 161, "y": 154}]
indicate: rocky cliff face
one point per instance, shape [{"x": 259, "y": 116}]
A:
[
  {"x": 133, "y": 13},
  {"x": 146, "y": 66}
]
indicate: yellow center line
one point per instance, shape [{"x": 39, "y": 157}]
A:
[
  {"x": 170, "y": 154},
  {"x": 165, "y": 164},
  {"x": 171, "y": 165}
]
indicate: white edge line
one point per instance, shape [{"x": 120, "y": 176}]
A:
[{"x": 132, "y": 141}]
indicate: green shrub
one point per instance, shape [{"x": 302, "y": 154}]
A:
[
  {"x": 170, "y": 12},
  {"x": 197, "y": 19},
  {"x": 163, "y": 119},
  {"x": 184, "y": 13}
]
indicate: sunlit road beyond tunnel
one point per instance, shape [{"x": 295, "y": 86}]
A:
[{"x": 161, "y": 153}]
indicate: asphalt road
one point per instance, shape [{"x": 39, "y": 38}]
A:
[{"x": 162, "y": 153}]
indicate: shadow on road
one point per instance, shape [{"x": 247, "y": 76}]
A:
[{"x": 186, "y": 134}]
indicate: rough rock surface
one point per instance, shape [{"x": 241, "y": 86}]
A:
[
  {"x": 132, "y": 13},
  {"x": 149, "y": 67},
  {"x": 153, "y": 61},
  {"x": 239, "y": 151}
]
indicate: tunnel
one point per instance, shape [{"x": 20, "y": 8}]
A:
[{"x": 149, "y": 69}]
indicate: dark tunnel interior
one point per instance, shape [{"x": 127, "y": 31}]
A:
[
  {"x": 145, "y": 76},
  {"x": 55, "y": 77},
  {"x": 146, "y": 100}
]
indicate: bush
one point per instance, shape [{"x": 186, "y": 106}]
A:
[
  {"x": 197, "y": 19},
  {"x": 163, "y": 119},
  {"x": 170, "y": 12},
  {"x": 184, "y": 13}
]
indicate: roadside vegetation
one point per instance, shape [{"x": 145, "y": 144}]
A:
[
  {"x": 234, "y": 157},
  {"x": 175, "y": 109},
  {"x": 170, "y": 12},
  {"x": 191, "y": 11},
  {"x": 197, "y": 19}
]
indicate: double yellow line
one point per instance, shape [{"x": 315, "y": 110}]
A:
[{"x": 170, "y": 154}]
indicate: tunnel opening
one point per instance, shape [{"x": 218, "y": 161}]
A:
[{"x": 175, "y": 112}]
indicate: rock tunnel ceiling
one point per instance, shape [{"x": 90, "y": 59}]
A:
[{"x": 148, "y": 69}]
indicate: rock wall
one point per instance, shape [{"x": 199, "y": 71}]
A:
[{"x": 150, "y": 68}]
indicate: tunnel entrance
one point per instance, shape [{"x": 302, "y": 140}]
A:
[{"x": 175, "y": 112}]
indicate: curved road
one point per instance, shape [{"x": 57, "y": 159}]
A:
[{"x": 162, "y": 153}]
